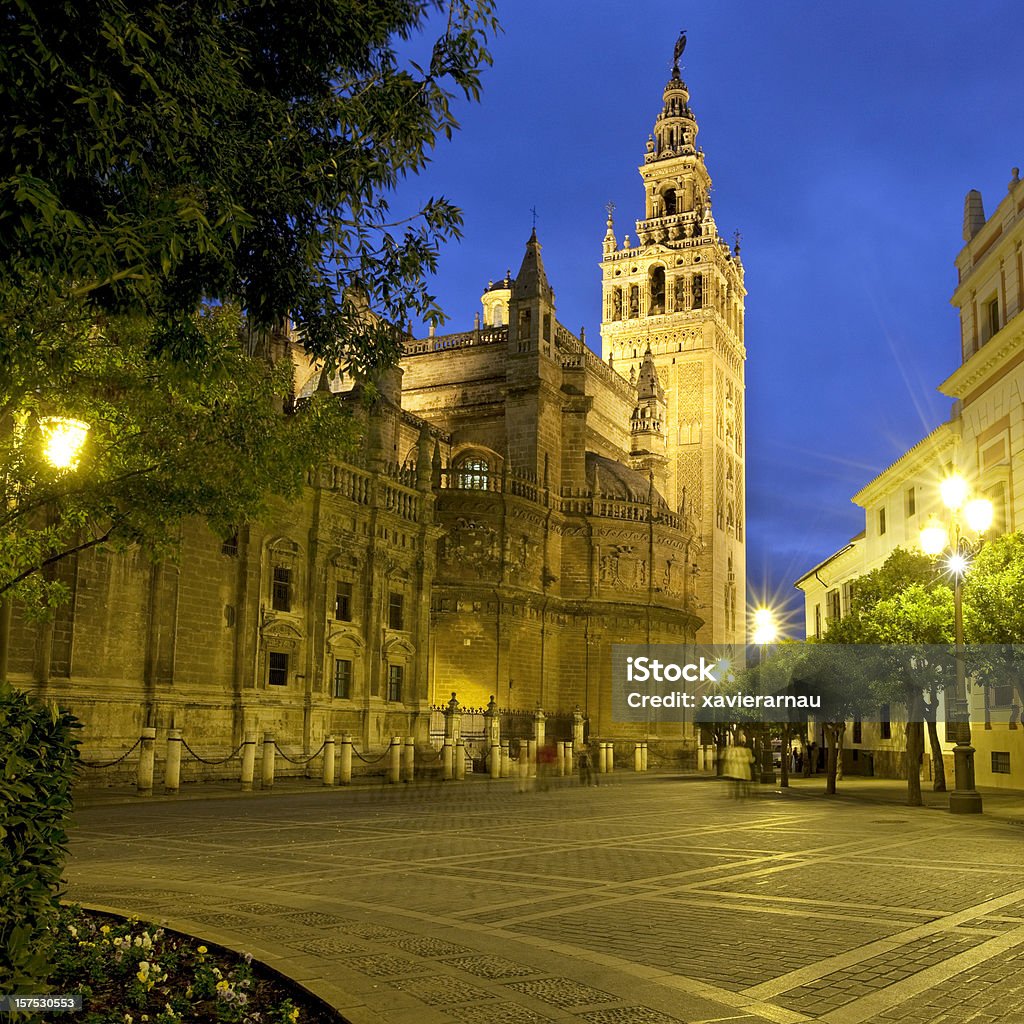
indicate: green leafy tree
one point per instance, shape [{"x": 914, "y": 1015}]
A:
[
  {"x": 164, "y": 167},
  {"x": 906, "y": 609},
  {"x": 993, "y": 594}
]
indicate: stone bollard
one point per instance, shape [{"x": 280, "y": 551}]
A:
[
  {"x": 447, "y": 760},
  {"x": 602, "y": 758},
  {"x": 643, "y": 756},
  {"x": 611, "y": 756},
  {"x": 409, "y": 759},
  {"x": 495, "y": 760},
  {"x": 267, "y": 767},
  {"x": 328, "y": 760},
  {"x": 147, "y": 754},
  {"x": 560, "y": 757},
  {"x": 395, "y": 760},
  {"x": 506, "y": 760},
  {"x": 172, "y": 769},
  {"x": 638, "y": 757},
  {"x": 460, "y": 759},
  {"x": 568, "y": 755},
  {"x": 346, "y": 759},
  {"x": 248, "y": 761},
  {"x": 531, "y": 758}
]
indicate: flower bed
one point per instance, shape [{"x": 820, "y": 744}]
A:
[{"x": 128, "y": 972}]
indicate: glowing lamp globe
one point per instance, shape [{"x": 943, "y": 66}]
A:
[
  {"x": 956, "y": 564},
  {"x": 765, "y": 630},
  {"x": 978, "y": 514},
  {"x": 954, "y": 491},
  {"x": 63, "y": 441},
  {"x": 934, "y": 537}
]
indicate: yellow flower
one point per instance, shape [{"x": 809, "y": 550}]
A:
[
  {"x": 222, "y": 986},
  {"x": 203, "y": 949},
  {"x": 105, "y": 929},
  {"x": 294, "y": 1015}
]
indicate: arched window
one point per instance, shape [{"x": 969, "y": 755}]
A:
[
  {"x": 657, "y": 284},
  {"x": 669, "y": 198},
  {"x": 497, "y": 315},
  {"x": 472, "y": 473}
]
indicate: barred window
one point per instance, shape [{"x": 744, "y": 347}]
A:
[
  {"x": 281, "y": 590},
  {"x": 396, "y": 611},
  {"x": 343, "y": 602},
  {"x": 342, "y": 678},
  {"x": 396, "y": 674},
  {"x": 1000, "y": 762},
  {"x": 277, "y": 674}
]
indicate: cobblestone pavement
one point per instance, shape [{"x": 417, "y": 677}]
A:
[{"x": 647, "y": 900}]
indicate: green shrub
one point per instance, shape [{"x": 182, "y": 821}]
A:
[{"x": 38, "y": 762}]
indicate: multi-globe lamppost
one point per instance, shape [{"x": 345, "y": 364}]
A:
[
  {"x": 968, "y": 520},
  {"x": 765, "y": 632}
]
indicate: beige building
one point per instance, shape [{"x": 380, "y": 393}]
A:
[
  {"x": 518, "y": 506},
  {"x": 983, "y": 440}
]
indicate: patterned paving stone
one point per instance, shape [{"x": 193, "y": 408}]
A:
[
  {"x": 375, "y": 932},
  {"x": 317, "y": 919},
  {"x": 330, "y": 947},
  {"x": 561, "y": 992},
  {"x": 628, "y": 1015},
  {"x": 385, "y": 966},
  {"x": 426, "y": 946},
  {"x": 270, "y": 909},
  {"x": 498, "y": 1013},
  {"x": 491, "y": 967},
  {"x": 441, "y": 990}
]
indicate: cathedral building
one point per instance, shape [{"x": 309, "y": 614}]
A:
[{"x": 518, "y": 505}]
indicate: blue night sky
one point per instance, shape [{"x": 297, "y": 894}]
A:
[{"x": 841, "y": 139}]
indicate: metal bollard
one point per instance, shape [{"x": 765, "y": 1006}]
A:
[
  {"x": 506, "y": 760},
  {"x": 248, "y": 761},
  {"x": 346, "y": 759},
  {"x": 267, "y": 767},
  {"x": 495, "y": 761},
  {"x": 460, "y": 759},
  {"x": 328, "y": 760},
  {"x": 638, "y": 757},
  {"x": 643, "y": 756},
  {"x": 172, "y": 769},
  {"x": 447, "y": 760},
  {"x": 395, "y": 760},
  {"x": 409, "y": 759},
  {"x": 147, "y": 755}
]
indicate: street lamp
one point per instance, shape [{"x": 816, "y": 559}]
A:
[
  {"x": 967, "y": 516},
  {"x": 63, "y": 440},
  {"x": 765, "y": 632}
]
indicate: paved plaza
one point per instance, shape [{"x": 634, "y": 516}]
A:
[{"x": 647, "y": 900}]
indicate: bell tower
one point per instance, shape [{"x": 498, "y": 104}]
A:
[{"x": 675, "y": 296}]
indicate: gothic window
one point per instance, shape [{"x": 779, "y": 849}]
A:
[
  {"x": 680, "y": 296},
  {"x": 657, "y": 290},
  {"x": 616, "y": 303},
  {"x": 698, "y": 291},
  {"x": 473, "y": 473},
  {"x": 547, "y": 326},
  {"x": 524, "y": 325},
  {"x": 634, "y": 301}
]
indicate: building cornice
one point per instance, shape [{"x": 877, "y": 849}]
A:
[
  {"x": 943, "y": 438},
  {"x": 986, "y": 366}
]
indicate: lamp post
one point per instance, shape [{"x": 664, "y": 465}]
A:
[
  {"x": 63, "y": 441},
  {"x": 765, "y": 632},
  {"x": 974, "y": 514}
]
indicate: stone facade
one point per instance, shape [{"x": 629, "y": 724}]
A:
[
  {"x": 518, "y": 506},
  {"x": 983, "y": 440}
]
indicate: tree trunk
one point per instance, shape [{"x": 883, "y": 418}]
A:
[
  {"x": 939, "y": 785},
  {"x": 832, "y": 741},
  {"x": 784, "y": 767},
  {"x": 915, "y": 744}
]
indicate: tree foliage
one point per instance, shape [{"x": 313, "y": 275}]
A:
[{"x": 176, "y": 182}]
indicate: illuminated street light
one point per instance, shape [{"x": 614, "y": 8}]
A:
[
  {"x": 765, "y": 629},
  {"x": 959, "y": 546},
  {"x": 63, "y": 441},
  {"x": 765, "y": 632}
]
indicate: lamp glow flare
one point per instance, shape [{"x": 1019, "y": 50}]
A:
[{"x": 63, "y": 441}]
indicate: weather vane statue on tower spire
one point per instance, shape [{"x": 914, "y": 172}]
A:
[{"x": 678, "y": 51}]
